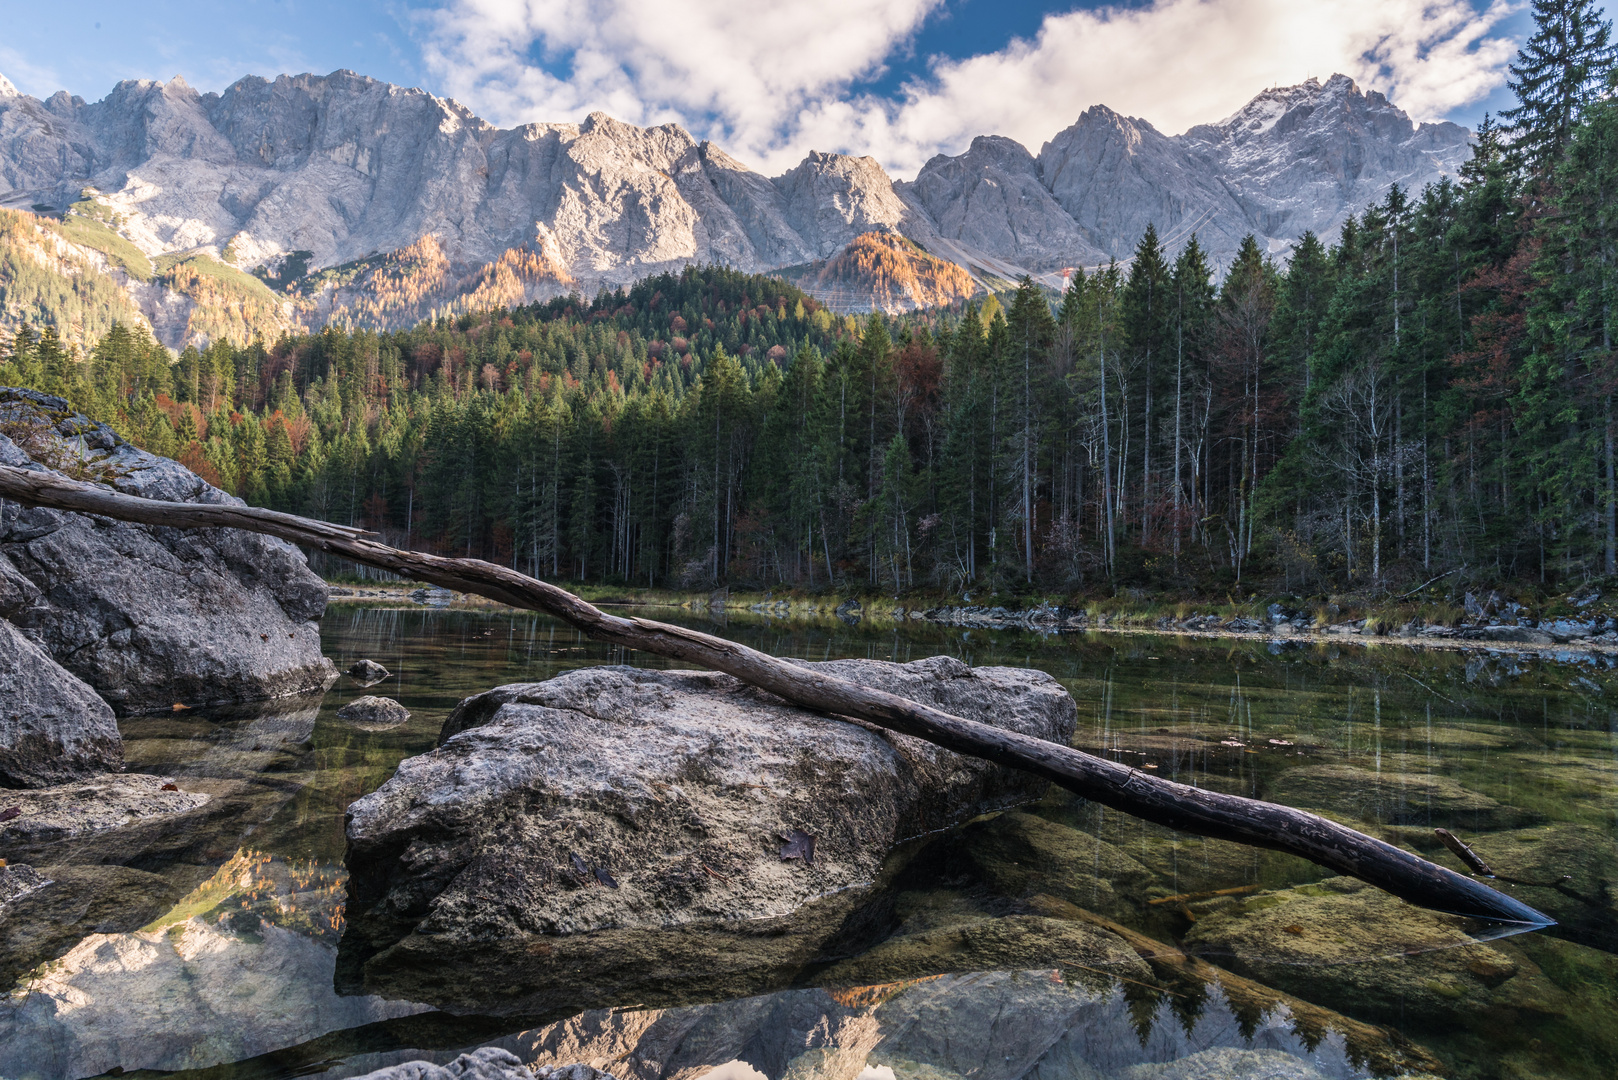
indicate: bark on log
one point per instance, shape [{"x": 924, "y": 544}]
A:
[{"x": 1177, "y": 806}]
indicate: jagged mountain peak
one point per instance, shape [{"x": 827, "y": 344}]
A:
[
  {"x": 7, "y": 90},
  {"x": 1265, "y": 109},
  {"x": 315, "y": 171}
]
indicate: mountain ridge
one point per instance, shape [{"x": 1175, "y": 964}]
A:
[{"x": 315, "y": 172}]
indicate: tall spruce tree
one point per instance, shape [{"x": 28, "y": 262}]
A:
[{"x": 1560, "y": 70}]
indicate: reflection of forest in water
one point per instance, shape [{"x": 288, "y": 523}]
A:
[{"x": 218, "y": 945}]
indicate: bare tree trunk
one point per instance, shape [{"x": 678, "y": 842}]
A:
[{"x": 1177, "y": 806}]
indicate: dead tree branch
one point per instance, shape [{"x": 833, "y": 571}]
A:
[{"x": 1177, "y": 806}]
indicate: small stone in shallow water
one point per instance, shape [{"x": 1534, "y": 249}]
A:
[
  {"x": 367, "y": 672},
  {"x": 374, "y": 712}
]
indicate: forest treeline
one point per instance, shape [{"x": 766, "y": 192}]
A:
[{"x": 1433, "y": 391}]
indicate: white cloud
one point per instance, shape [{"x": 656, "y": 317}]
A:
[
  {"x": 749, "y": 68},
  {"x": 772, "y": 83}
]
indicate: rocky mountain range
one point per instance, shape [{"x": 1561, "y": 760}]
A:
[{"x": 355, "y": 199}]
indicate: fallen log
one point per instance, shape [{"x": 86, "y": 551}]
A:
[{"x": 1164, "y": 802}]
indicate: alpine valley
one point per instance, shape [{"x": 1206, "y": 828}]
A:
[{"x": 293, "y": 203}]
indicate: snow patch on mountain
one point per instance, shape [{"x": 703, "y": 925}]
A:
[{"x": 339, "y": 169}]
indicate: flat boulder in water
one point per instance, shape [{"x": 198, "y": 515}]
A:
[
  {"x": 620, "y": 830},
  {"x": 97, "y": 804}
]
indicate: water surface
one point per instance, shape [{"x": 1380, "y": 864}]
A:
[{"x": 215, "y": 950}]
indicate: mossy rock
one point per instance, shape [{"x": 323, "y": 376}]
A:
[
  {"x": 1183, "y": 863},
  {"x": 1013, "y": 943},
  {"x": 1351, "y": 947},
  {"x": 1584, "y": 905},
  {"x": 1392, "y": 798},
  {"x": 1018, "y": 854}
]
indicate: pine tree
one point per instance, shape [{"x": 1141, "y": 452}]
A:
[
  {"x": 1145, "y": 314},
  {"x": 1191, "y": 286},
  {"x": 1031, "y": 330},
  {"x": 1559, "y": 71}
]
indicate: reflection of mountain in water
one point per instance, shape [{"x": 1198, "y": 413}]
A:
[
  {"x": 1021, "y": 1025},
  {"x": 116, "y": 875},
  {"x": 240, "y": 966}
]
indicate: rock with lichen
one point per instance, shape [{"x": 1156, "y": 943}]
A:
[
  {"x": 1352, "y": 947},
  {"x": 658, "y": 829},
  {"x": 147, "y": 616}
]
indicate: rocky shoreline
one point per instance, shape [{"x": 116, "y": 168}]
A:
[{"x": 1286, "y": 627}]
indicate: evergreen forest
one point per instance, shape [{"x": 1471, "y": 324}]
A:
[{"x": 1431, "y": 393}]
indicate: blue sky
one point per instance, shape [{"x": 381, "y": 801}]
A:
[{"x": 900, "y": 79}]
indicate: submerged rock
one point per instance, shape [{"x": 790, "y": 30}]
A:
[
  {"x": 374, "y": 713},
  {"x": 1020, "y": 854},
  {"x": 1391, "y": 798},
  {"x": 1009, "y": 943},
  {"x": 1352, "y": 947},
  {"x": 90, "y": 806},
  {"x": 1570, "y": 872},
  {"x": 52, "y": 726},
  {"x": 238, "y": 966},
  {"x": 619, "y": 827},
  {"x": 238, "y": 767},
  {"x": 150, "y": 616}
]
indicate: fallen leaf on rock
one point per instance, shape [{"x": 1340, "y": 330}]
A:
[
  {"x": 178, "y": 707},
  {"x": 799, "y": 845},
  {"x": 171, "y": 787},
  {"x": 7, "y": 815},
  {"x": 1294, "y": 929},
  {"x": 580, "y": 867},
  {"x": 605, "y": 878}
]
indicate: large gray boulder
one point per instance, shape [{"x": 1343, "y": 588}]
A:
[
  {"x": 621, "y": 830},
  {"x": 148, "y": 616},
  {"x": 53, "y": 727}
]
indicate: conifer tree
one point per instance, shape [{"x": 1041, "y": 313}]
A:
[
  {"x": 1560, "y": 70},
  {"x": 1192, "y": 289}
]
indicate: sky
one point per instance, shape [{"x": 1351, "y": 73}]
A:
[{"x": 900, "y": 80}]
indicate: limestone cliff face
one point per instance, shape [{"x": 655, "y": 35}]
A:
[{"x": 312, "y": 172}]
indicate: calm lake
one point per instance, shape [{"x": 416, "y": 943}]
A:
[{"x": 213, "y": 954}]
